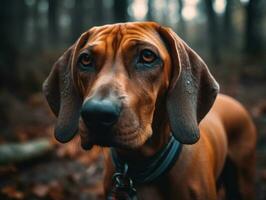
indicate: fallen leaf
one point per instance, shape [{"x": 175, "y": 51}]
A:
[
  {"x": 12, "y": 192},
  {"x": 56, "y": 191},
  {"x": 40, "y": 190}
]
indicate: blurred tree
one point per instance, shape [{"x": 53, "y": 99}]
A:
[
  {"x": 9, "y": 44},
  {"x": 254, "y": 14},
  {"x": 53, "y": 21},
  {"x": 150, "y": 10},
  {"x": 77, "y": 22},
  {"x": 38, "y": 35},
  {"x": 228, "y": 32},
  {"x": 213, "y": 33},
  {"x": 22, "y": 12},
  {"x": 120, "y": 10},
  {"x": 181, "y": 19},
  {"x": 98, "y": 12},
  {"x": 165, "y": 17}
]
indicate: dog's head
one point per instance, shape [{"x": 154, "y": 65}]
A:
[{"x": 111, "y": 83}]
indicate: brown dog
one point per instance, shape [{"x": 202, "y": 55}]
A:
[{"x": 130, "y": 87}]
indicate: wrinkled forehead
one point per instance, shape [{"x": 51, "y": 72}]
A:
[{"x": 118, "y": 35}]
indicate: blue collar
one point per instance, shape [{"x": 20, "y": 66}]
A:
[{"x": 152, "y": 168}]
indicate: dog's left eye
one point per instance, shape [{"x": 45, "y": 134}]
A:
[
  {"x": 147, "y": 57},
  {"x": 85, "y": 61}
]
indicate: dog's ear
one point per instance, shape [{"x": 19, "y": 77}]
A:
[
  {"x": 60, "y": 92},
  {"x": 192, "y": 89}
]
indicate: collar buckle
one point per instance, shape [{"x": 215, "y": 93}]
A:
[{"x": 122, "y": 188}]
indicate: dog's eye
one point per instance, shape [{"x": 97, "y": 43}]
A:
[
  {"x": 85, "y": 59},
  {"x": 85, "y": 62},
  {"x": 147, "y": 56}
]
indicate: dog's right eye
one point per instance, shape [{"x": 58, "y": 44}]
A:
[
  {"x": 147, "y": 56},
  {"x": 147, "y": 60},
  {"x": 86, "y": 62}
]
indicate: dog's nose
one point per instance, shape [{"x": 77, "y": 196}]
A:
[{"x": 100, "y": 112}]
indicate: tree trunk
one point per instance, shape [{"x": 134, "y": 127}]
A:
[
  {"x": 120, "y": 11},
  {"x": 254, "y": 27},
  {"x": 98, "y": 12},
  {"x": 181, "y": 19},
  {"x": 228, "y": 25},
  {"x": 39, "y": 39},
  {"x": 9, "y": 45},
  {"x": 213, "y": 33},
  {"x": 17, "y": 152},
  {"x": 150, "y": 10},
  {"x": 53, "y": 21},
  {"x": 77, "y": 20}
]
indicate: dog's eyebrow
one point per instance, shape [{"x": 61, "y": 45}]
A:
[
  {"x": 89, "y": 47},
  {"x": 136, "y": 42}
]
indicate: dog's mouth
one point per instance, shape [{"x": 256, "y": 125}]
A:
[{"x": 111, "y": 138}]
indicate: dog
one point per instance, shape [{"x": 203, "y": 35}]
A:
[{"x": 141, "y": 91}]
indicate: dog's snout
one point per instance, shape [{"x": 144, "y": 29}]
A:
[{"x": 100, "y": 112}]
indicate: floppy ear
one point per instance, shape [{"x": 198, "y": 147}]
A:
[
  {"x": 192, "y": 89},
  {"x": 61, "y": 94}
]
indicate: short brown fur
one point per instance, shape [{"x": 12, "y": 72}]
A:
[{"x": 177, "y": 95}]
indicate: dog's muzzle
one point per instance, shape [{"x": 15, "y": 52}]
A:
[{"x": 100, "y": 113}]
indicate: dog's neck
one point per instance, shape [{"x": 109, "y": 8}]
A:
[
  {"x": 149, "y": 162},
  {"x": 153, "y": 167}
]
